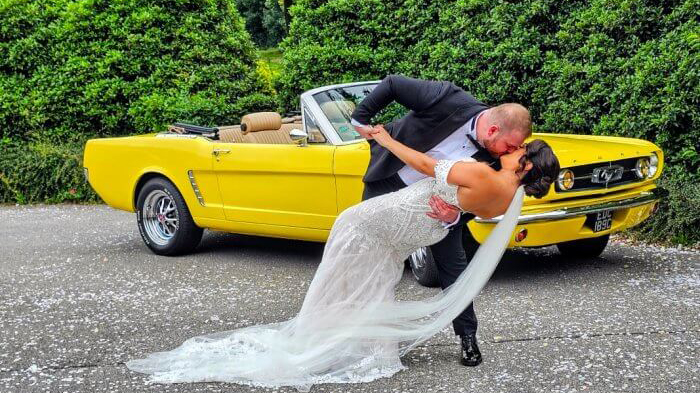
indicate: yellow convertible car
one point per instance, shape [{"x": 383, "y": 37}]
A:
[{"x": 291, "y": 177}]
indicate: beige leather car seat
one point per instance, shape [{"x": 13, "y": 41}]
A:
[
  {"x": 265, "y": 127},
  {"x": 231, "y": 134}
]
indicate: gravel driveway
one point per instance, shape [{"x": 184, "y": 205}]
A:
[{"x": 80, "y": 294}]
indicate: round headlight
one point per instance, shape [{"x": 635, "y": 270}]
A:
[
  {"x": 642, "y": 168},
  {"x": 566, "y": 179},
  {"x": 653, "y": 164}
]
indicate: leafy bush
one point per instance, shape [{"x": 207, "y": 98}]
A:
[
  {"x": 40, "y": 172},
  {"x": 71, "y": 70},
  {"x": 628, "y": 68},
  {"x": 678, "y": 217}
]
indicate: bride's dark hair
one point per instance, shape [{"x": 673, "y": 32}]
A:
[{"x": 545, "y": 168}]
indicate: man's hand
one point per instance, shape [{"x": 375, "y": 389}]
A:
[
  {"x": 365, "y": 131},
  {"x": 381, "y": 135},
  {"x": 442, "y": 210}
]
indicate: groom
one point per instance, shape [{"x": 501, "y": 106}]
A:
[{"x": 445, "y": 122}]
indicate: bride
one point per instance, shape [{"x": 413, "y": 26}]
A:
[{"x": 350, "y": 328}]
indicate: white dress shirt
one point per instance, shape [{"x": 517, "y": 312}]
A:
[{"x": 454, "y": 147}]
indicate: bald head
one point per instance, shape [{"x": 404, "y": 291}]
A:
[
  {"x": 512, "y": 117},
  {"x": 504, "y": 128}
]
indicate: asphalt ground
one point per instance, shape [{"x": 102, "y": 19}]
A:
[{"x": 80, "y": 294}]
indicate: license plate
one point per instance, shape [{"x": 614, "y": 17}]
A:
[{"x": 600, "y": 221}]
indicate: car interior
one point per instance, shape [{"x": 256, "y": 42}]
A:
[
  {"x": 258, "y": 127},
  {"x": 338, "y": 113}
]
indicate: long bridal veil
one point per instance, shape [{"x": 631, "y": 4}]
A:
[{"x": 351, "y": 339}]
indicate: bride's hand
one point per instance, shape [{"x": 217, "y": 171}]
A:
[{"x": 381, "y": 135}]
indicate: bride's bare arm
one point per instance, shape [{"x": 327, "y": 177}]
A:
[
  {"x": 421, "y": 162},
  {"x": 467, "y": 174},
  {"x": 463, "y": 174}
]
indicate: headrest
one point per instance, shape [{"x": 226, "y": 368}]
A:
[
  {"x": 260, "y": 121},
  {"x": 338, "y": 111}
]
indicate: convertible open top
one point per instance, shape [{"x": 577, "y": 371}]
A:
[{"x": 257, "y": 127}]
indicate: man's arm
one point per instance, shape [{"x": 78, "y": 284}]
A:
[
  {"x": 414, "y": 94},
  {"x": 449, "y": 215}
]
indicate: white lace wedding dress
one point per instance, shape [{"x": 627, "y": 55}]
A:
[{"x": 349, "y": 329}]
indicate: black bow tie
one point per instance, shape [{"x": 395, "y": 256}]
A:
[
  {"x": 475, "y": 143},
  {"x": 481, "y": 153}
]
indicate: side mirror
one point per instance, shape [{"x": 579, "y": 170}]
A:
[{"x": 299, "y": 136}]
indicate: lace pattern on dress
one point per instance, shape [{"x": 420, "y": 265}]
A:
[
  {"x": 442, "y": 169},
  {"x": 447, "y": 191}
]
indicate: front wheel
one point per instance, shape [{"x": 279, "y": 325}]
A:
[
  {"x": 584, "y": 248},
  {"x": 423, "y": 267},
  {"x": 164, "y": 220}
]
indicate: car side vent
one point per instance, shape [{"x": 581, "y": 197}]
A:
[{"x": 195, "y": 188}]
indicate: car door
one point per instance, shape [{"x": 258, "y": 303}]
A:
[
  {"x": 277, "y": 184},
  {"x": 350, "y": 166}
]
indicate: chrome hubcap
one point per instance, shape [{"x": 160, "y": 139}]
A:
[{"x": 160, "y": 217}]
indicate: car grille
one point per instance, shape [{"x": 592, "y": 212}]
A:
[{"x": 593, "y": 176}]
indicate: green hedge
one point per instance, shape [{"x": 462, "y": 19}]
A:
[
  {"x": 40, "y": 172},
  {"x": 71, "y": 70},
  {"x": 628, "y": 68},
  {"x": 678, "y": 219}
]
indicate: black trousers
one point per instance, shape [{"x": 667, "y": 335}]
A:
[{"x": 450, "y": 255}]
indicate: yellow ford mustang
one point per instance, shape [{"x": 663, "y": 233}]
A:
[{"x": 291, "y": 177}]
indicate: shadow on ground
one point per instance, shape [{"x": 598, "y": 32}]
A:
[{"x": 520, "y": 264}]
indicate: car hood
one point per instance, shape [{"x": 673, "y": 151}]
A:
[{"x": 574, "y": 150}]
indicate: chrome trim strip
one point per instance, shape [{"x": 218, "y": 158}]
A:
[
  {"x": 328, "y": 87},
  {"x": 642, "y": 199},
  {"x": 190, "y": 175},
  {"x": 637, "y": 182}
]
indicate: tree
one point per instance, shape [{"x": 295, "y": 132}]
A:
[{"x": 264, "y": 20}]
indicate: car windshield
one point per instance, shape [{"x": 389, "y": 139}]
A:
[{"x": 339, "y": 103}]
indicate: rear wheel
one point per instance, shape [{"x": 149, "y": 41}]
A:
[
  {"x": 164, "y": 220},
  {"x": 584, "y": 248},
  {"x": 423, "y": 267}
]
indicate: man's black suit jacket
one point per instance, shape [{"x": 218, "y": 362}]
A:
[{"x": 436, "y": 110}]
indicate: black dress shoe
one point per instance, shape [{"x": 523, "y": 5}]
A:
[{"x": 470, "y": 351}]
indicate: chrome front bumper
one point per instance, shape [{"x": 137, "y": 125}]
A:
[{"x": 641, "y": 199}]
